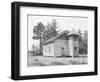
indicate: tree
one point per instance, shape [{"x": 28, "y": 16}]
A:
[
  {"x": 38, "y": 32},
  {"x": 85, "y": 35},
  {"x": 43, "y": 33},
  {"x": 33, "y": 47},
  {"x": 54, "y": 24},
  {"x": 80, "y": 33},
  {"x": 51, "y": 30},
  {"x": 85, "y": 40},
  {"x": 81, "y": 45}
]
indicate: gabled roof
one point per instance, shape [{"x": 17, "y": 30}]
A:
[{"x": 54, "y": 38}]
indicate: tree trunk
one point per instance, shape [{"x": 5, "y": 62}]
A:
[{"x": 40, "y": 46}]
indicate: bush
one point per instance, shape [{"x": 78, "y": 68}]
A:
[{"x": 37, "y": 54}]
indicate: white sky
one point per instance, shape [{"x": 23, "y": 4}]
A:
[{"x": 65, "y": 23}]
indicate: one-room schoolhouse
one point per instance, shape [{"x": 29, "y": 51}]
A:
[{"x": 64, "y": 44}]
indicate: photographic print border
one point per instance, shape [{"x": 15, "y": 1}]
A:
[{"x": 15, "y": 40}]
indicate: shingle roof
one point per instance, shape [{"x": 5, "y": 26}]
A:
[{"x": 53, "y": 38}]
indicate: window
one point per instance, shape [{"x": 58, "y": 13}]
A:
[
  {"x": 49, "y": 49},
  {"x": 62, "y": 47},
  {"x": 75, "y": 39},
  {"x": 75, "y": 48}
]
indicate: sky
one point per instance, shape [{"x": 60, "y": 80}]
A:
[{"x": 64, "y": 23}]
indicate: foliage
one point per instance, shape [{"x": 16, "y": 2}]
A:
[
  {"x": 30, "y": 52},
  {"x": 51, "y": 30},
  {"x": 43, "y": 32},
  {"x": 38, "y": 32},
  {"x": 83, "y": 42}
]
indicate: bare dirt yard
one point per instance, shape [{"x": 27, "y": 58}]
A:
[{"x": 47, "y": 61}]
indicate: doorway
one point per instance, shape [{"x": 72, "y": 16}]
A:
[
  {"x": 62, "y": 51},
  {"x": 75, "y": 51}
]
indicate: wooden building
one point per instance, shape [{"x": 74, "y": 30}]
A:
[{"x": 64, "y": 44}]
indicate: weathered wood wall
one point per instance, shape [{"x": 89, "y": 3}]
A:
[
  {"x": 48, "y": 50},
  {"x": 58, "y": 45},
  {"x": 70, "y": 44}
]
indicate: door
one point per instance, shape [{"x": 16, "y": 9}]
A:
[
  {"x": 62, "y": 51},
  {"x": 75, "y": 51}
]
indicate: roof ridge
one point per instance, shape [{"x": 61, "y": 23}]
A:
[{"x": 54, "y": 37}]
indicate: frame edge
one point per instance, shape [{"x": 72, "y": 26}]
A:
[
  {"x": 14, "y": 41},
  {"x": 15, "y": 32}
]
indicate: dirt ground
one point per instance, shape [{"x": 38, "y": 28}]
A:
[{"x": 47, "y": 61}]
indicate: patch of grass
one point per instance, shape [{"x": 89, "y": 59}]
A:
[
  {"x": 46, "y": 61},
  {"x": 77, "y": 62},
  {"x": 56, "y": 63},
  {"x": 74, "y": 62},
  {"x": 39, "y": 64}
]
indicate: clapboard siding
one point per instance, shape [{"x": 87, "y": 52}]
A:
[
  {"x": 76, "y": 45},
  {"x": 70, "y": 44},
  {"x": 58, "y": 45},
  {"x": 48, "y": 50}
]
